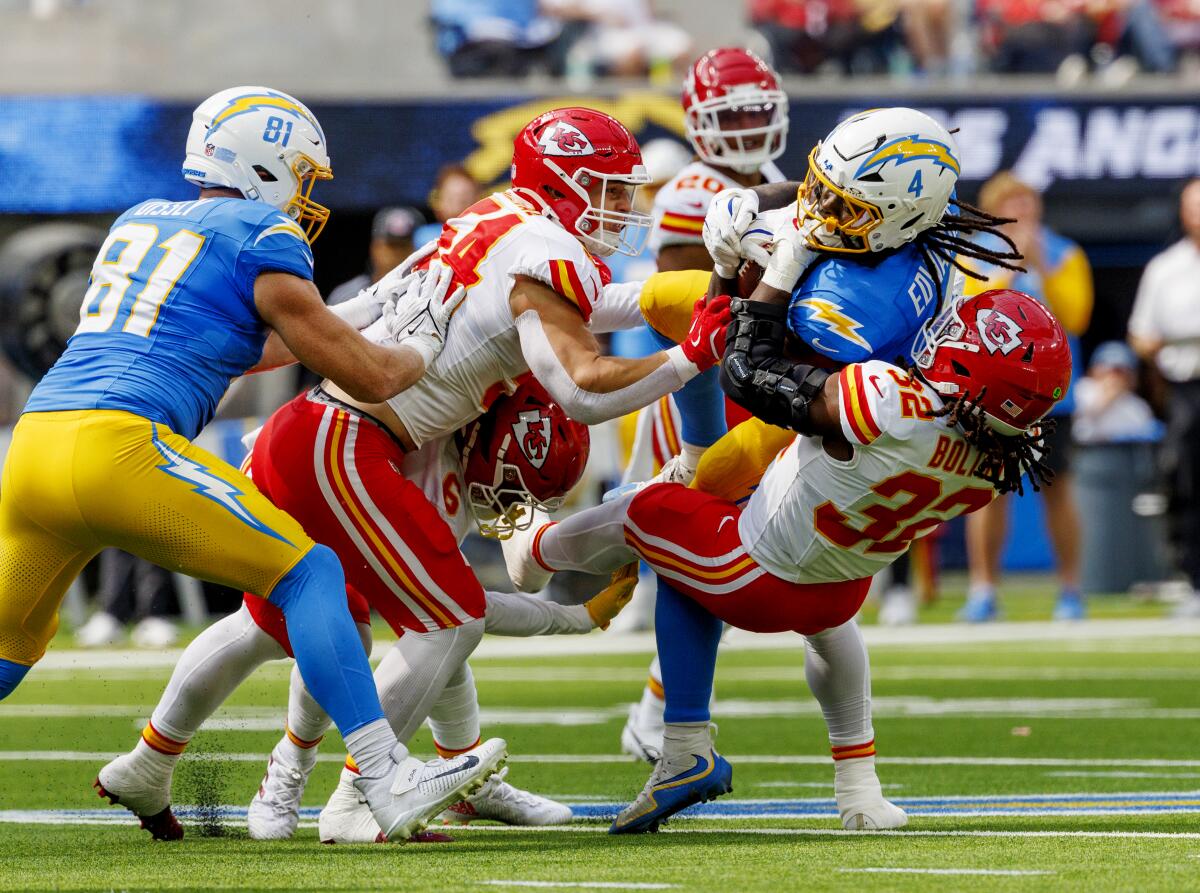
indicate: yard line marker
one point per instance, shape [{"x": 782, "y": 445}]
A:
[
  {"x": 590, "y": 885},
  {"x": 76, "y": 756},
  {"x": 1006, "y": 872}
]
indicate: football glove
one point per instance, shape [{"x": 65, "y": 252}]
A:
[{"x": 419, "y": 317}]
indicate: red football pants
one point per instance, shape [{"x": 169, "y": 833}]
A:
[
  {"x": 691, "y": 540},
  {"x": 339, "y": 476}
]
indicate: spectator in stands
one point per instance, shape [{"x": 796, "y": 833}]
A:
[
  {"x": 454, "y": 190},
  {"x": 132, "y": 590},
  {"x": 808, "y": 35},
  {"x": 1180, "y": 21},
  {"x": 929, "y": 27},
  {"x": 1164, "y": 329},
  {"x": 1107, "y": 407},
  {"x": 1058, "y": 275},
  {"x": 391, "y": 241},
  {"x": 493, "y": 38},
  {"x": 1034, "y": 36},
  {"x": 624, "y": 38}
]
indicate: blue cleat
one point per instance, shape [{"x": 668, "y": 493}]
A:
[
  {"x": 1070, "y": 606},
  {"x": 667, "y": 793},
  {"x": 981, "y": 609}
]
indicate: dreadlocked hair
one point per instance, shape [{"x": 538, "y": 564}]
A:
[
  {"x": 1005, "y": 460},
  {"x": 947, "y": 241}
]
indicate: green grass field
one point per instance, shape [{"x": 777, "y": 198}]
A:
[{"x": 1069, "y": 762}]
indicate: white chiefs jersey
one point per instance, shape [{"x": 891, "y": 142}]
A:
[
  {"x": 436, "y": 468},
  {"x": 680, "y": 206},
  {"x": 815, "y": 519},
  {"x": 492, "y": 242}
]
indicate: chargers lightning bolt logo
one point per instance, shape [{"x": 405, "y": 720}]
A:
[
  {"x": 910, "y": 148},
  {"x": 210, "y": 486},
  {"x": 830, "y": 315}
]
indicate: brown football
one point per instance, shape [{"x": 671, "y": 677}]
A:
[{"x": 748, "y": 277}]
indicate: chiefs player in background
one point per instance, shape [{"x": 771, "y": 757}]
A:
[{"x": 888, "y": 454}]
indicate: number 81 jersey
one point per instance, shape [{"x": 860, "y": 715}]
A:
[
  {"x": 169, "y": 320},
  {"x": 816, "y": 519}
]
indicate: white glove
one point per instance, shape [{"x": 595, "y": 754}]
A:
[
  {"x": 790, "y": 257},
  {"x": 730, "y": 214},
  {"x": 419, "y": 317},
  {"x": 367, "y": 306}
]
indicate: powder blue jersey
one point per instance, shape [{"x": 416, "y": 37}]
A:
[
  {"x": 863, "y": 307},
  {"x": 168, "y": 320}
]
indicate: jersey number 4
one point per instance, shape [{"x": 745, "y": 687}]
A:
[
  {"x": 119, "y": 263},
  {"x": 888, "y": 533}
]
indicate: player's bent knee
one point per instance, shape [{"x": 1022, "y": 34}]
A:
[
  {"x": 11, "y": 674},
  {"x": 319, "y": 570}
]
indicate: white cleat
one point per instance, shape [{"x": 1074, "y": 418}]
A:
[
  {"x": 498, "y": 801},
  {"x": 526, "y": 573},
  {"x": 346, "y": 818},
  {"x": 898, "y": 607},
  {"x": 101, "y": 631},
  {"x": 275, "y": 810},
  {"x": 642, "y": 739},
  {"x": 860, "y": 799},
  {"x": 142, "y": 786},
  {"x": 154, "y": 632},
  {"x": 405, "y": 800}
]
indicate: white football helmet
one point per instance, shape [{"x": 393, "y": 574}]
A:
[
  {"x": 266, "y": 145},
  {"x": 878, "y": 180}
]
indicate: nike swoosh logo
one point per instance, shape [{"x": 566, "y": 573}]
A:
[
  {"x": 695, "y": 342},
  {"x": 313, "y": 141},
  {"x": 471, "y": 763},
  {"x": 874, "y": 379},
  {"x": 723, "y": 520}
]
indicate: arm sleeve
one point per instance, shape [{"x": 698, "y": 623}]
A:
[
  {"x": 590, "y": 407},
  {"x": 871, "y": 403},
  {"x": 620, "y": 309},
  {"x": 518, "y": 614}
]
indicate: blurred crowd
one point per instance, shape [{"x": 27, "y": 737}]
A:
[{"x": 582, "y": 39}]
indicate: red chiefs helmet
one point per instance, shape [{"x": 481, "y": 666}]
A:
[
  {"x": 1004, "y": 350},
  {"x": 561, "y": 156},
  {"x": 523, "y": 453},
  {"x": 736, "y": 115}
]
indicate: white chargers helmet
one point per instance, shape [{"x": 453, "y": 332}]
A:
[
  {"x": 879, "y": 180},
  {"x": 266, "y": 145}
]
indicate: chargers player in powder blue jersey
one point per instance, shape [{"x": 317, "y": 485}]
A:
[
  {"x": 860, "y": 262},
  {"x": 183, "y": 297}
]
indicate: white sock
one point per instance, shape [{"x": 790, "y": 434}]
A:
[
  {"x": 454, "y": 717},
  {"x": 210, "y": 668},
  {"x": 839, "y": 673},
  {"x": 518, "y": 614},
  {"x": 651, "y": 706},
  {"x": 372, "y": 748},
  {"x": 416, "y": 669},
  {"x": 592, "y": 541},
  {"x": 682, "y": 741}
]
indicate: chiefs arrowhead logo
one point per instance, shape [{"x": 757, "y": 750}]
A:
[
  {"x": 999, "y": 333},
  {"x": 562, "y": 138},
  {"x": 532, "y": 430}
]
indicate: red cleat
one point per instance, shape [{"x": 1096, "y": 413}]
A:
[{"x": 162, "y": 825}]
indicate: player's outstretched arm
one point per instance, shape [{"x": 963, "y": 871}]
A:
[
  {"x": 327, "y": 345},
  {"x": 565, "y": 357}
]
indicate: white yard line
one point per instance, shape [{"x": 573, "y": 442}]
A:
[
  {"x": 73, "y": 756},
  {"x": 1115, "y": 633},
  {"x": 587, "y": 885},
  {"x": 1004, "y": 872}
]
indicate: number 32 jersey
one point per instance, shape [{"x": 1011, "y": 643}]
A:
[
  {"x": 816, "y": 519},
  {"x": 169, "y": 320}
]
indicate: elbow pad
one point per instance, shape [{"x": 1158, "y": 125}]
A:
[{"x": 756, "y": 375}]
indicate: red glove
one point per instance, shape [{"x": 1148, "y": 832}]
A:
[{"x": 705, "y": 342}]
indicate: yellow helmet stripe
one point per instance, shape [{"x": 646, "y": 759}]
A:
[
  {"x": 250, "y": 102},
  {"x": 910, "y": 148}
]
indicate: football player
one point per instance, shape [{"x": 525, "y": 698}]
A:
[
  {"x": 450, "y": 473},
  {"x": 878, "y": 259},
  {"x": 888, "y": 454},
  {"x": 183, "y": 297}
]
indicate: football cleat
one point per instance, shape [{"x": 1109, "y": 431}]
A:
[
  {"x": 642, "y": 739},
  {"x": 860, "y": 799},
  {"x": 526, "y": 573},
  {"x": 898, "y": 607},
  {"x": 668, "y": 792},
  {"x": 346, "y": 818},
  {"x": 405, "y": 800},
  {"x": 498, "y": 801},
  {"x": 1070, "y": 606},
  {"x": 145, "y": 790},
  {"x": 275, "y": 810},
  {"x": 979, "y": 609}
]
